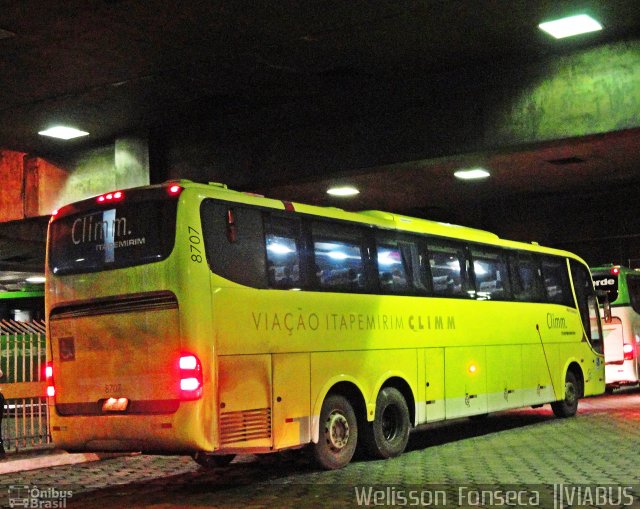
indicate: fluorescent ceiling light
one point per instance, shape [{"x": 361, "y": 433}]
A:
[
  {"x": 63, "y": 132},
  {"x": 343, "y": 191},
  {"x": 573, "y": 25},
  {"x": 475, "y": 173},
  {"x": 36, "y": 279}
]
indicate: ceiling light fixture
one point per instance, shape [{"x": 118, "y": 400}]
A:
[
  {"x": 473, "y": 174},
  {"x": 63, "y": 132},
  {"x": 343, "y": 191},
  {"x": 573, "y": 25},
  {"x": 35, "y": 279}
]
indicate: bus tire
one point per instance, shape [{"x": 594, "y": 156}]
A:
[
  {"x": 568, "y": 406},
  {"x": 212, "y": 460},
  {"x": 338, "y": 433},
  {"x": 388, "y": 434}
]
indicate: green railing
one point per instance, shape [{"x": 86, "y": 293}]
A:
[{"x": 22, "y": 361}]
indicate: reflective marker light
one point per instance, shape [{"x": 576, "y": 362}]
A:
[
  {"x": 190, "y": 377},
  {"x": 573, "y": 25}
]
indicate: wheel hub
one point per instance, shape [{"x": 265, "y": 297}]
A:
[{"x": 337, "y": 431}]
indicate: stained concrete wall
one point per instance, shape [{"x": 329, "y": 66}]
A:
[
  {"x": 12, "y": 178},
  {"x": 359, "y": 124},
  {"x": 591, "y": 92},
  {"x": 119, "y": 165},
  {"x": 35, "y": 187}
]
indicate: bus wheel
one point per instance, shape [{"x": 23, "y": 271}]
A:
[
  {"x": 569, "y": 405},
  {"x": 338, "y": 433},
  {"x": 212, "y": 460},
  {"x": 388, "y": 434}
]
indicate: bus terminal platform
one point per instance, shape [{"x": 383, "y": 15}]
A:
[{"x": 525, "y": 453}]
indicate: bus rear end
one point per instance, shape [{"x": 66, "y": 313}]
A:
[
  {"x": 622, "y": 332},
  {"x": 124, "y": 372}
]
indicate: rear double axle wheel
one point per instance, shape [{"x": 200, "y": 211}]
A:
[
  {"x": 388, "y": 434},
  {"x": 338, "y": 433}
]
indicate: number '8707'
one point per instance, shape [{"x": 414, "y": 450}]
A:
[{"x": 195, "y": 243}]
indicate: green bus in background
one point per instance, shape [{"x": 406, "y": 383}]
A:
[
  {"x": 22, "y": 345},
  {"x": 23, "y": 305},
  {"x": 622, "y": 333}
]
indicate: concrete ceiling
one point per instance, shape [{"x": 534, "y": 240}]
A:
[{"x": 116, "y": 66}]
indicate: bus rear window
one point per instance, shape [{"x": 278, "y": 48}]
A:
[
  {"x": 608, "y": 282},
  {"x": 113, "y": 237}
]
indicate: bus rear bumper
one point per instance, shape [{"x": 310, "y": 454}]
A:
[
  {"x": 166, "y": 433},
  {"x": 622, "y": 374}
]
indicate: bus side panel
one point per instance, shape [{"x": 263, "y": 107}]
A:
[
  {"x": 591, "y": 366},
  {"x": 504, "y": 383},
  {"x": 291, "y": 400},
  {"x": 465, "y": 381},
  {"x": 434, "y": 375},
  {"x": 244, "y": 384},
  {"x": 536, "y": 382},
  {"x": 371, "y": 368}
]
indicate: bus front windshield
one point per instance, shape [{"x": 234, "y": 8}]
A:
[{"x": 114, "y": 236}]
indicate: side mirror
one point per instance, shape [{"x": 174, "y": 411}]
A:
[{"x": 603, "y": 297}]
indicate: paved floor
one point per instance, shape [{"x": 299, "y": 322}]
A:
[{"x": 511, "y": 459}]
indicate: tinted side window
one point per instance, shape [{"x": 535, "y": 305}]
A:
[
  {"x": 284, "y": 252},
  {"x": 338, "y": 257},
  {"x": 491, "y": 274},
  {"x": 526, "y": 283},
  {"x": 633, "y": 285},
  {"x": 234, "y": 242},
  {"x": 556, "y": 282},
  {"x": 401, "y": 265},
  {"x": 448, "y": 265}
]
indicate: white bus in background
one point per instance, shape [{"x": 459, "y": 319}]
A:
[{"x": 622, "y": 332}]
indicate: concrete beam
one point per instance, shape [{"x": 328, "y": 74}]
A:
[{"x": 365, "y": 124}]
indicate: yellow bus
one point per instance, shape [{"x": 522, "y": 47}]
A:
[{"x": 187, "y": 318}]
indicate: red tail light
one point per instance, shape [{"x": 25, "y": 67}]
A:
[
  {"x": 48, "y": 372},
  {"x": 174, "y": 190},
  {"x": 190, "y": 377},
  {"x": 109, "y": 197},
  {"x": 627, "y": 348}
]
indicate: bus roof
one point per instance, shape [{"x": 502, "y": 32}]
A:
[
  {"x": 376, "y": 218},
  {"x": 614, "y": 269}
]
